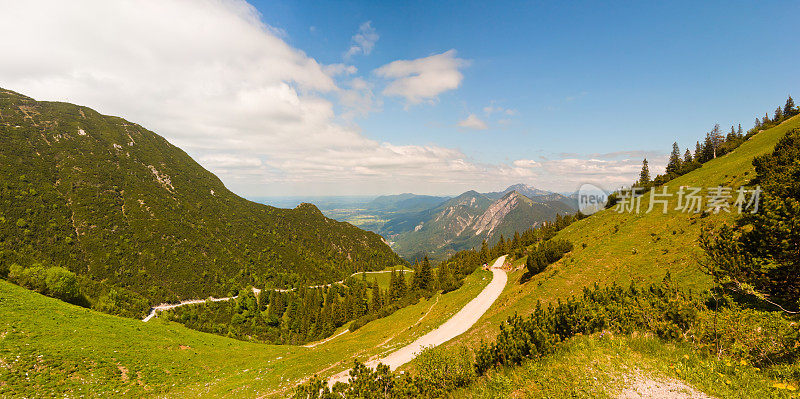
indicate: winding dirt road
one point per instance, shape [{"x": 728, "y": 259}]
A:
[
  {"x": 166, "y": 306},
  {"x": 455, "y": 326}
]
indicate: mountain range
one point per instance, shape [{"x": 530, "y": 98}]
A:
[{"x": 465, "y": 221}]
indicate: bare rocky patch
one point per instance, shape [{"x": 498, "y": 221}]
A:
[{"x": 641, "y": 386}]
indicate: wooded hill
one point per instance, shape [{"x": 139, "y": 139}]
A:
[{"x": 140, "y": 222}]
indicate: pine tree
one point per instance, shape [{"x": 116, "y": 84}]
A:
[
  {"x": 778, "y": 115},
  {"x": 716, "y": 139},
  {"x": 740, "y": 133},
  {"x": 402, "y": 286},
  {"x": 644, "y": 175},
  {"x": 393, "y": 285},
  {"x": 757, "y": 124},
  {"x": 674, "y": 164},
  {"x": 424, "y": 275},
  {"x": 766, "y": 119},
  {"x": 707, "y": 153},
  {"x": 788, "y": 109},
  {"x": 377, "y": 299},
  {"x": 687, "y": 157},
  {"x": 698, "y": 152},
  {"x": 732, "y": 135},
  {"x": 484, "y": 252}
]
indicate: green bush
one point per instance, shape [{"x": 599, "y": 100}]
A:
[{"x": 62, "y": 284}]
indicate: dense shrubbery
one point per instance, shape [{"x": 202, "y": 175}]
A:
[
  {"x": 439, "y": 371},
  {"x": 545, "y": 254},
  {"x": 55, "y": 281}
]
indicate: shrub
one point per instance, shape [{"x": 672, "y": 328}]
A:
[{"x": 62, "y": 284}]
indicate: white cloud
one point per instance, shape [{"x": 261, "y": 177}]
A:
[
  {"x": 363, "y": 41},
  {"x": 423, "y": 79},
  {"x": 339, "y": 69},
  {"x": 213, "y": 79},
  {"x": 473, "y": 122}
]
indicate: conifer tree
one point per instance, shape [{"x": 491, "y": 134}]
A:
[
  {"x": 766, "y": 119},
  {"x": 732, "y": 135},
  {"x": 788, "y": 109},
  {"x": 377, "y": 299},
  {"x": 778, "y": 115},
  {"x": 393, "y": 285},
  {"x": 484, "y": 252},
  {"x": 716, "y": 139},
  {"x": 644, "y": 175},
  {"x": 740, "y": 133},
  {"x": 674, "y": 164},
  {"x": 757, "y": 124},
  {"x": 402, "y": 286},
  {"x": 687, "y": 157},
  {"x": 698, "y": 152},
  {"x": 707, "y": 153},
  {"x": 424, "y": 275}
]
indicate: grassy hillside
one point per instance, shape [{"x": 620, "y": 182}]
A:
[
  {"x": 114, "y": 202},
  {"x": 608, "y": 366},
  {"x": 625, "y": 247},
  {"x": 51, "y": 348}
]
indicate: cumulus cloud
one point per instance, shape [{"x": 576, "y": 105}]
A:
[
  {"x": 212, "y": 78},
  {"x": 473, "y": 122},
  {"x": 364, "y": 41},
  {"x": 423, "y": 79},
  {"x": 218, "y": 82}
]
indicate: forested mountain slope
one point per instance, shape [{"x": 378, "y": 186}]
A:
[{"x": 136, "y": 217}]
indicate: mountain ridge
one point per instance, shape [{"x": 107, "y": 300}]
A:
[{"x": 122, "y": 207}]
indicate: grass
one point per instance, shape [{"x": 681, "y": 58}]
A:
[
  {"x": 626, "y": 247},
  {"x": 383, "y": 279},
  {"x": 601, "y": 367},
  {"x": 50, "y": 348}
]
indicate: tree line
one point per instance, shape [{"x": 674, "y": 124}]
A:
[{"x": 716, "y": 143}]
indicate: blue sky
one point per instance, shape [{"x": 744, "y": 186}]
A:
[
  {"x": 585, "y": 77},
  {"x": 364, "y": 98}
]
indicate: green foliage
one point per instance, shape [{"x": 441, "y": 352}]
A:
[
  {"x": 662, "y": 309},
  {"x": 546, "y": 253},
  {"x": 761, "y": 256},
  {"x": 123, "y": 208},
  {"x": 55, "y": 281},
  {"x": 439, "y": 371},
  {"x": 644, "y": 175},
  {"x": 62, "y": 284}
]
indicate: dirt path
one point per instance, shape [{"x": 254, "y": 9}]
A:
[
  {"x": 455, "y": 326},
  {"x": 257, "y": 291}
]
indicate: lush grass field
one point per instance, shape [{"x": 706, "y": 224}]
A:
[
  {"x": 50, "y": 348},
  {"x": 383, "y": 278},
  {"x": 626, "y": 247}
]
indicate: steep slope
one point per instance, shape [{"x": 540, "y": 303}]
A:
[
  {"x": 465, "y": 221},
  {"x": 121, "y": 206},
  {"x": 516, "y": 212},
  {"x": 50, "y": 348},
  {"x": 621, "y": 248}
]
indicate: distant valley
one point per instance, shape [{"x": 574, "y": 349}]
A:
[{"x": 438, "y": 226}]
